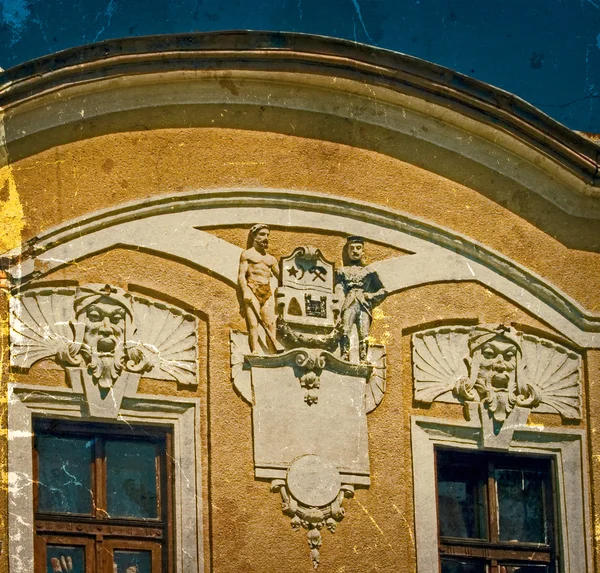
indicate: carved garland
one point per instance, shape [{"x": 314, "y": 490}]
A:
[{"x": 313, "y": 519}]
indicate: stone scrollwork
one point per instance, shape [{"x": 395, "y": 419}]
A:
[
  {"x": 311, "y": 387},
  {"x": 313, "y": 518},
  {"x": 105, "y": 338},
  {"x": 499, "y": 368},
  {"x": 376, "y": 384},
  {"x": 310, "y": 364}
]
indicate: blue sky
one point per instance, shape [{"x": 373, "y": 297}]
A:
[{"x": 545, "y": 51}]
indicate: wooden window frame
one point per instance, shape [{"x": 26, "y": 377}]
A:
[
  {"x": 102, "y": 531},
  {"x": 492, "y": 550},
  {"x": 42, "y": 541},
  {"x": 110, "y": 545},
  {"x": 566, "y": 446}
]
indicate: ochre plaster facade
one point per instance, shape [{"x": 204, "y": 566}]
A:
[{"x": 103, "y": 163}]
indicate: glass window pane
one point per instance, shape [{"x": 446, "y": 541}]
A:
[
  {"x": 460, "y": 499},
  {"x": 525, "y": 568},
  {"x": 61, "y": 558},
  {"x": 521, "y": 505},
  {"x": 131, "y": 479},
  {"x": 132, "y": 561},
  {"x": 65, "y": 475},
  {"x": 463, "y": 566}
]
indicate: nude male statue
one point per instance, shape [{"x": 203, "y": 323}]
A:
[{"x": 254, "y": 281}]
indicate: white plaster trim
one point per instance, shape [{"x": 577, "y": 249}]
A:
[
  {"x": 567, "y": 447},
  {"x": 181, "y": 414},
  {"x": 171, "y": 226},
  {"x": 359, "y": 102}
]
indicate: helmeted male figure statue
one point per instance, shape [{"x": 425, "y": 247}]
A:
[
  {"x": 361, "y": 290},
  {"x": 254, "y": 281}
]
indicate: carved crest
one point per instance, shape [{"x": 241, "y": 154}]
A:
[
  {"x": 309, "y": 393},
  {"x": 305, "y": 299}
]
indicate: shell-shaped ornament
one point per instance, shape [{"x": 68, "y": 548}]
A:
[
  {"x": 438, "y": 362},
  {"x": 167, "y": 338},
  {"x": 554, "y": 374},
  {"x": 42, "y": 326}
]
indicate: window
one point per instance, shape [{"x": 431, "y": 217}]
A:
[
  {"x": 102, "y": 498},
  {"x": 495, "y": 513}
]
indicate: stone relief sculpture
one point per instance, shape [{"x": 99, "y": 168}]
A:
[
  {"x": 307, "y": 307},
  {"x": 105, "y": 338},
  {"x": 105, "y": 316},
  {"x": 361, "y": 290},
  {"x": 313, "y": 479},
  {"x": 492, "y": 367},
  {"x": 503, "y": 372},
  {"x": 310, "y": 394},
  {"x": 254, "y": 281}
]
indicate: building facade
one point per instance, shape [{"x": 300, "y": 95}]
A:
[{"x": 277, "y": 302}]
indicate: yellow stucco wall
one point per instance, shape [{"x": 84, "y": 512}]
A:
[
  {"x": 244, "y": 527},
  {"x": 72, "y": 180}
]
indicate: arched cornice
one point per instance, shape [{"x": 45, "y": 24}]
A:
[
  {"x": 315, "y": 75},
  {"x": 172, "y": 226}
]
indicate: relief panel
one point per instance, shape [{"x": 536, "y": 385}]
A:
[
  {"x": 497, "y": 372},
  {"x": 311, "y": 375},
  {"x": 105, "y": 338}
]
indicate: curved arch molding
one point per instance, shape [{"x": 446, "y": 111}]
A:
[
  {"x": 172, "y": 226},
  {"x": 67, "y": 96}
]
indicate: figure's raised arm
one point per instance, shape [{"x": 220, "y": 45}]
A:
[
  {"x": 376, "y": 298},
  {"x": 275, "y": 268},
  {"x": 377, "y": 292}
]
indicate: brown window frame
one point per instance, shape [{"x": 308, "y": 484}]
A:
[
  {"x": 97, "y": 532},
  {"x": 495, "y": 553}
]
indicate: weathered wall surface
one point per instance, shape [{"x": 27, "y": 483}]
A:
[
  {"x": 248, "y": 532},
  {"x": 101, "y": 172},
  {"x": 481, "y": 198}
]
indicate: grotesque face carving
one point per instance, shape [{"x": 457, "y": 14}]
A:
[
  {"x": 494, "y": 367},
  {"x": 104, "y": 321},
  {"x": 104, "y": 327},
  {"x": 497, "y": 364},
  {"x": 493, "y": 375},
  {"x": 355, "y": 251}
]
